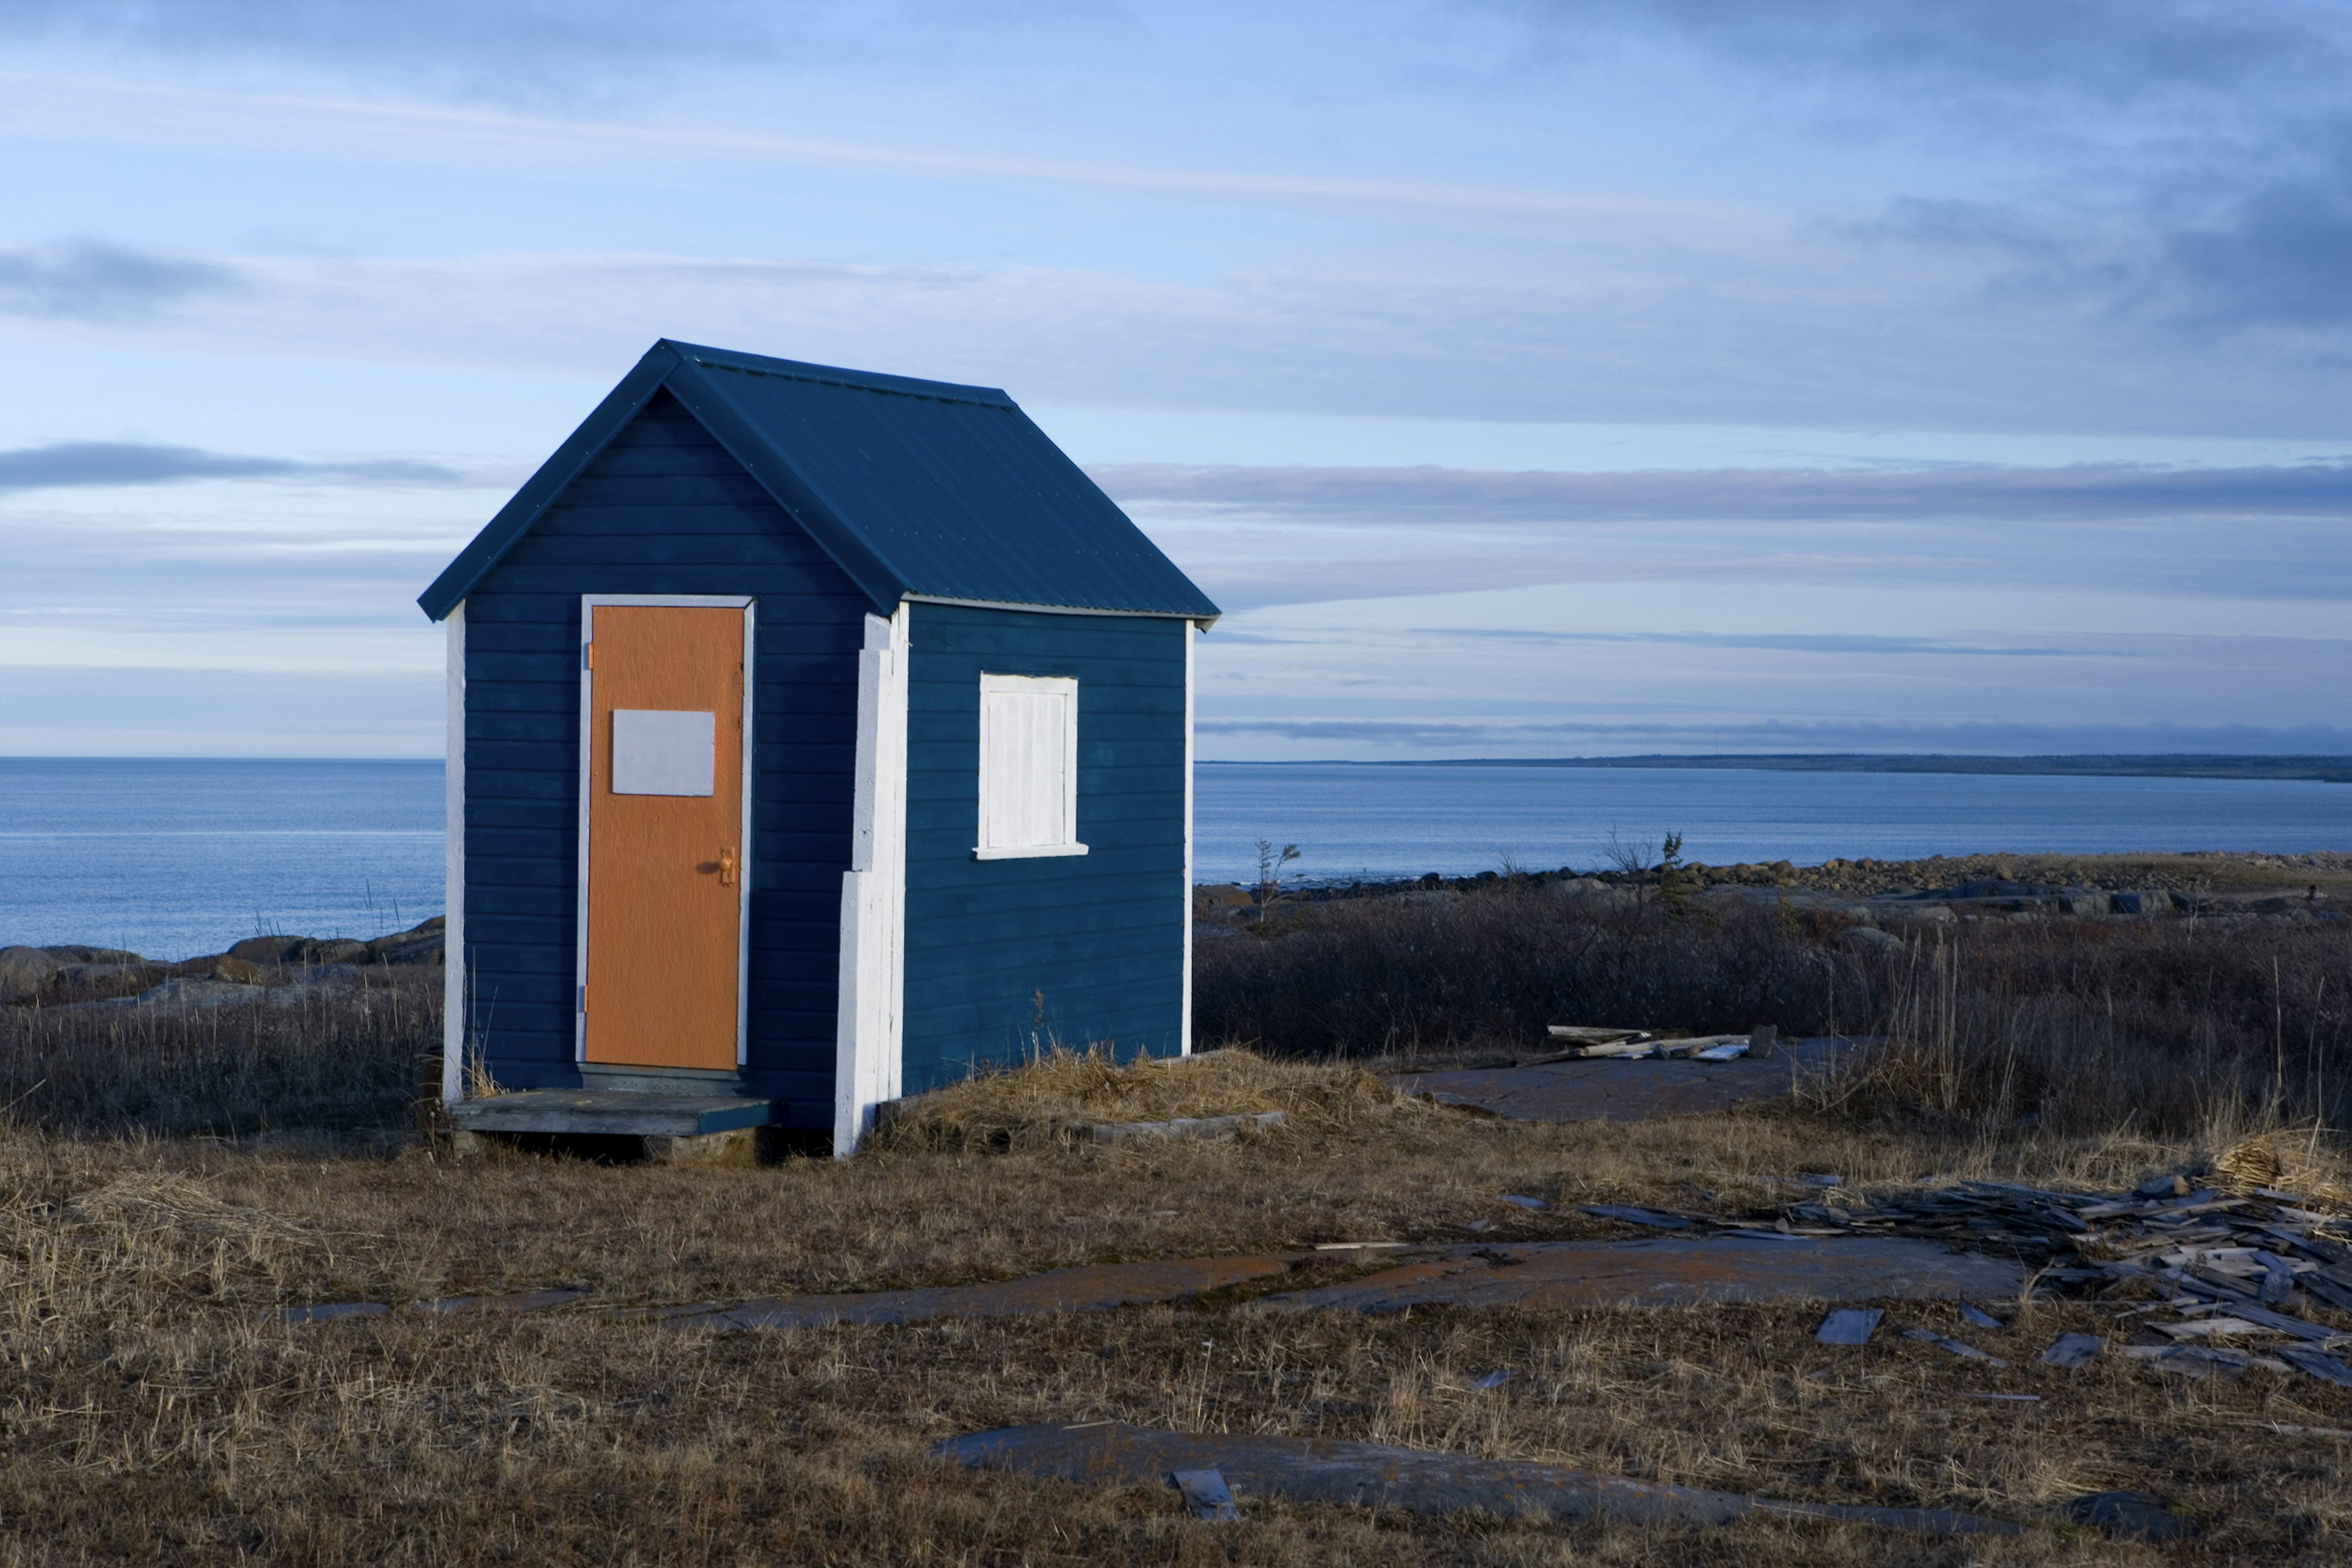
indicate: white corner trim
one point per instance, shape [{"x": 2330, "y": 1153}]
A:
[
  {"x": 453, "y": 866},
  {"x": 1185, "y": 1021},
  {"x": 869, "y": 1030},
  {"x": 1028, "y": 851}
]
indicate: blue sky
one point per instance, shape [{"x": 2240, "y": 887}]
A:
[{"x": 1524, "y": 378}]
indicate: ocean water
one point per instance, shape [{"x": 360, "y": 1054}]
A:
[
  {"x": 1350, "y": 820},
  {"x": 173, "y": 858}
]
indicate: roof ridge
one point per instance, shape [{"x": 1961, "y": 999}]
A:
[{"x": 744, "y": 364}]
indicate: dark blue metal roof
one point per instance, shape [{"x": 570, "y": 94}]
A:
[{"x": 916, "y": 487}]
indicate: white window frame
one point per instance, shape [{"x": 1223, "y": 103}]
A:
[{"x": 1066, "y": 687}]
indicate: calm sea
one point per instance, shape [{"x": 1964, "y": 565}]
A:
[{"x": 173, "y": 858}]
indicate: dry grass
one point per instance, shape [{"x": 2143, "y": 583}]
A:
[
  {"x": 345, "y": 1057},
  {"x": 153, "y": 1414},
  {"x": 1047, "y": 1099}
]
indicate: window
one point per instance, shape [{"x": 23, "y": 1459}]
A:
[{"x": 1028, "y": 766}]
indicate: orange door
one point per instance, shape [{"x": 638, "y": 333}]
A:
[{"x": 665, "y": 835}]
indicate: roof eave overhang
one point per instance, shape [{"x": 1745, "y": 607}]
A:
[
  {"x": 1204, "y": 619},
  {"x": 579, "y": 449}
]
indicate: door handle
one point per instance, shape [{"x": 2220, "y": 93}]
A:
[{"x": 727, "y": 868}]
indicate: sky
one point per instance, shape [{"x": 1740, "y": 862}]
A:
[{"x": 1523, "y": 379}]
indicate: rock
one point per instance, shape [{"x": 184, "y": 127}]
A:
[
  {"x": 1994, "y": 889},
  {"x": 2128, "y": 1516},
  {"x": 97, "y": 974},
  {"x": 264, "y": 949},
  {"x": 188, "y": 993},
  {"x": 26, "y": 973},
  {"x": 426, "y": 943},
  {"x": 318, "y": 950}
]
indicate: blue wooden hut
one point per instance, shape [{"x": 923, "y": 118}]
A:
[{"x": 814, "y": 735}]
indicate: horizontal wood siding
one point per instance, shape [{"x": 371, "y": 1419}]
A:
[
  {"x": 1098, "y": 936},
  {"x": 663, "y": 510}
]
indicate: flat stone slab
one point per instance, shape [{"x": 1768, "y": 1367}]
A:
[
  {"x": 1669, "y": 1272},
  {"x": 602, "y": 1111},
  {"x": 1094, "y": 1288},
  {"x": 1608, "y": 1089},
  {"x": 1372, "y": 1475}
]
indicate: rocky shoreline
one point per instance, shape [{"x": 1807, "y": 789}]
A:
[
  {"x": 258, "y": 969},
  {"x": 2224, "y": 888}
]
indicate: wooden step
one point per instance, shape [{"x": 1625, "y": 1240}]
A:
[{"x": 612, "y": 1111}]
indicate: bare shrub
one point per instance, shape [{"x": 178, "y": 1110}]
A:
[
  {"x": 345, "y": 1057},
  {"x": 1403, "y": 975},
  {"x": 2211, "y": 1027}
]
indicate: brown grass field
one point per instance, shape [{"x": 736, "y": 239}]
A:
[{"x": 155, "y": 1412}]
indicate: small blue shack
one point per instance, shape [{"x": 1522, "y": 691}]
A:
[{"x": 814, "y": 736}]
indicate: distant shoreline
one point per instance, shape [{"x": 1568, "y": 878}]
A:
[{"x": 2314, "y": 769}]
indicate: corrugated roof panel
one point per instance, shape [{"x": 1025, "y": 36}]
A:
[
  {"x": 914, "y": 487},
  {"x": 953, "y": 489}
]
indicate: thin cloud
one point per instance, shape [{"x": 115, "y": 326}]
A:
[
  {"x": 72, "y": 464},
  {"x": 92, "y": 281},
  {"x": 2075, "y": 493}
]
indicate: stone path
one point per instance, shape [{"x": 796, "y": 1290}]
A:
[
  {"x": 1617, "y": 1089},
  {"x": 1372, "y": 1475}
]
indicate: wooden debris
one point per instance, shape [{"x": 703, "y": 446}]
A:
[
  {"x": 2071, "y": 1351},
  {"x": 1521, "y": 1200},
  {"x": 1659, "y": 1219},
  {"x": 2211, "y": 1328},
  {"x": 1942, "y": 1342},
  {"x": 1848, "y": 1326},
  {"x": 1584, "y": 1040},
  {"x": 1206, "y": 1494},
  {"x": 1492, "y": 1380},
  {"x": 2317, "y": 1364},
  {"x": 1979, "y": 1318}
]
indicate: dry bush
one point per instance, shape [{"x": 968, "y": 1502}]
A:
[
  {"x": 1047, "y": 1099},
  {"x": 345, "y": 1057},
  {"x": 1423, "y": 973},
  {"x": 2211, "y": 1027}
]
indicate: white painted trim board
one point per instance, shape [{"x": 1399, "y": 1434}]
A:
[
  {"x": 869, "y": 1033},
  {"x": 453, "y": 864},
  {"x": 1184, "y": 1024}
]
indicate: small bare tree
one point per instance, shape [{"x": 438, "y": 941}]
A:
[{"x": 1270, "y": 862}]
